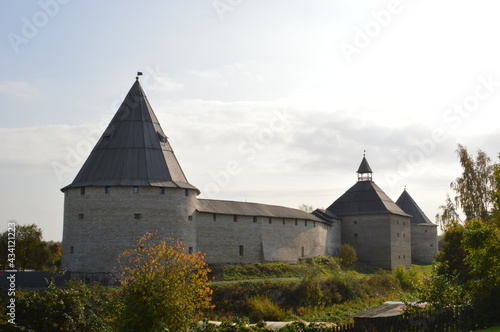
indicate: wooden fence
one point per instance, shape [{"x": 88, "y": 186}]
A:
[{"x": 440, "y": 320}]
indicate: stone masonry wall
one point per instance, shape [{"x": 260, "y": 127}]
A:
[
  {"x": 376, "y": 240},
  {"x": 249, "y": 239},
  {"x": 424, "y": 243},
  {"x": 98, "y": 226}
]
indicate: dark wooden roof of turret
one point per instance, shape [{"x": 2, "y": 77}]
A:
[
  {"x": 364, "y": 167},
  {"x": 408, "y": 205},
  {"x": 133, "y": 151},
  {"x": 365, "y": 197}
]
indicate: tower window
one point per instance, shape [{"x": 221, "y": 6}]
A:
[
  {"x": 107, "y": 138},
  {"x": 355, "y": 234},
  {"x": 283, "y": 221},
  {"x": 214, "y": 216},
  {"x": 135, "y": 190},
  {"x": 137, "y": 216},
  {"x": 303, "y": 252},
  {"x": 190, "y": 218},
  {"x": 107, "y": 190},
  {"x": 82, "y": 190},
  {"x": 305, "y": 223},
  {"x": 186, "y": 192},
  {"x": 81, "y": 216},
  {"x": 270, "y": 220},
  {"x": 71, "y": 250},
  {"x": 398, "y": 234},
  {"x": 355, "y": 222},
  {"x": 235, "y": 218},
  {"x": 162, "y": 190},
  {"x": 255, "y": 219},
  {"x": 296, "y": 222},
  {"x": 190, "y": 250},
  {"x": 242, "y": 251}
]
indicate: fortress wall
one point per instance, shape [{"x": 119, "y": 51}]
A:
[
  {"x": 290, "y": 239},
  {"x": 400, "y": 241},
  {"x": 369, "y": 235},
  {"x": 424, "y": 243},
  {"x": 259, "y": 239},
  {"x": 221, "y": 238},
  {"x": 98, "y": 226}
]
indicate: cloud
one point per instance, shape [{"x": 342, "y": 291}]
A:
[{"x": 20, "y": 89}]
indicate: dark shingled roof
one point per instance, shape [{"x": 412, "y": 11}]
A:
[
  {"x": 133, "y": 151},
  {"x": 252, "y": 209},
  {"x": 364, "y": 167},
  {"x": 408, "y": 205},
  {"x": 365, "y": 197}
]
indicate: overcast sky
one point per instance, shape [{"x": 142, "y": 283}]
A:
[{"x": 263, "y": 101}]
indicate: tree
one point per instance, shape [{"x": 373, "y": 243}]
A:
[
  {"x": 306, "y": 207},
  {"x": 475, "y": 189},
  {"x": 468, "y": 266},
  {"x": 30, "y": 250},
  {"x": 347, "y": 255},
  {"x": 164, "y": 288}
]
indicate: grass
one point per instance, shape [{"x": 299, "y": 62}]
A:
[
  {"x": 323, "y": 290},
  {"x": 426, "y": 270},
  {"x": 490, "y": 329}
]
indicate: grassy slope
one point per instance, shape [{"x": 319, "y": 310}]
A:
[{"x": 356, "y": 289}]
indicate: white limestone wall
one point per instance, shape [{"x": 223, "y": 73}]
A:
[
  {"x": 259, "y": 239},
  {"x": 98, "y": 226}
]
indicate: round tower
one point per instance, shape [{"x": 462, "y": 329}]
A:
[{"x": 130, "y": 184}]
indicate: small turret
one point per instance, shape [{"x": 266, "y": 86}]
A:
[{"x": 364, "y": 171}]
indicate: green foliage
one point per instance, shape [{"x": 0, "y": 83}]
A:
[
  {"x": 468, "y": 265},
  {"x": 77, "y": 307},
  {"x": 263, "y": 308},
  {"x": 163, "y": 286},
  {"x": 348, "y": 255},
  {"x": 30, "y": 250}
]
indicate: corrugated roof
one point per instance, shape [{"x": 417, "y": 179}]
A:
[
  {"x": 252, "y": 209},
  {"x": 408, "y": 205},
  {"x": 133, "y": 151},
  {"x": 365, "y": 197}
]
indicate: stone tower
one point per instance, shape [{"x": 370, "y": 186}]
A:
[
  {"x": 373, "y": 224},
  {"x": 424, "y": 237},
  {"x": 130, "y": 184}
]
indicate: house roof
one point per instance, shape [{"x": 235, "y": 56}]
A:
[
  {"x": 133, "y": 150},
  {"x": 365, "y": 197},
  {"x": 252, "y": 209},
  {"x": 408, "y": 205}
]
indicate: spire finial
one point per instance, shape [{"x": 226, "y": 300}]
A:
[
  {"x": 405, "y": 187},
  {"x": 139, "y": 73},
  {"x": 364, "y": 152}
]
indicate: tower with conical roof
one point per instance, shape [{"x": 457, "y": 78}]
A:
[
  {"x": 424, "y": 237},
  {"x": 130, "y": 184},
  {"x": 372, "y": 223}
]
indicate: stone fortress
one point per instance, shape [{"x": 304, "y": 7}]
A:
[{"x": 132, "y": 183}]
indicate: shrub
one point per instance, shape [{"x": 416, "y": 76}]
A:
[
  {"x": 164, "y": 287},
  {"x": 347, "y": 255},
  {"x": 262, "y": 307}
]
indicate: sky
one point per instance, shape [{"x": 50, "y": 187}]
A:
[{"x": 263, "y": 101}]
